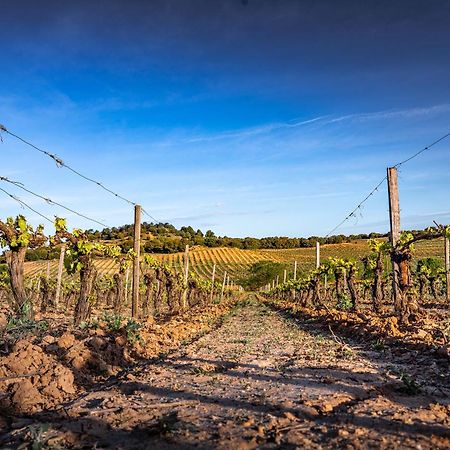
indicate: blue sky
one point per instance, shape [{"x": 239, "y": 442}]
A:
[{"x": 246, "y": 117}]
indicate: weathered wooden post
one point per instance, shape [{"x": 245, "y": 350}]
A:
[
  {"x": 447, "y": 266},
  {"x": 394, "y": 219},
  {"x": 59, "y": 276},
  {"x": 223, "y": 284},
  {"x": 186, "y": 277},
  {"x": 284, "y": 276},
  {"x": 136, "y": 260},
  {"x": 276, "y": 283},
  {"x": 186, "y": 264},
  {"x": 212, "y": 282},
  {"x": 127, "y": 276}
]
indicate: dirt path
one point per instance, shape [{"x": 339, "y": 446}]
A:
[{"x": 262, "y": 380}]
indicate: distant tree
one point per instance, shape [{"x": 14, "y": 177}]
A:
[{"x": 262, "y": 273}]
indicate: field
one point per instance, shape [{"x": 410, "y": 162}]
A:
[
  {"x": 237, "y": 262},
  {"x": 304, "y": 367}
]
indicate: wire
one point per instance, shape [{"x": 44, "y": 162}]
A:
[
  {"x": 48, "y": 200},
  {"x": 385, "y": 178},
  {"x": 421, "y": 151},
  {"x": 60, "y": 163},
  {"x": 26, "y": 205}
]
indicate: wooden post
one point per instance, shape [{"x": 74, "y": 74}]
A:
[
  {"x": 212, "y": 281},
  {"x": 317, "y": 254},
  {"x": 186, "y": 278},
  {"x": 127, "y": 276},
  {"x": 223, "y": 284},
  {"x": 276, "y": 283},
  {"x": 394, "y": 218},
  {"x": 295, "y": 270},
  {"x": 59, "y": 276},
  {"x": 136, "y": 259},
  {"x": 186, "y": 264},
  {"x": 447, "y": 266},
  {"x": 273, "y": 284},
  {"x": 284, "y": 276}
]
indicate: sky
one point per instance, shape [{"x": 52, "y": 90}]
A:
[{"x": 247, "y": 117}]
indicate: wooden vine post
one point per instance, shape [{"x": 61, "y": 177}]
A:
[
  {"x": 59, "y": 276},
  {"x": 394, "y": 219},
  {"x": 212, "y": 282},
  {"x": 185, "y": 277},
  {"x": 317, "y": 254},
  {"x": 136, "y": 258},
  {"x": 223, "y": 284},
  {"x": 447, "y": 266}
]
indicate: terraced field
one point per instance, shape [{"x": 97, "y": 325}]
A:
[{"x": 236, "y": 262}]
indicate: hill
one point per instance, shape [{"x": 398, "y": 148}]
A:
[{"x": 237, "y": 261}]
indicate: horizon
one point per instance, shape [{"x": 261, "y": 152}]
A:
[{"x": 252, "y": 119}]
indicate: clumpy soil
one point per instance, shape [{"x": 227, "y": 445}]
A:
[{"x": 262, "y": 379}]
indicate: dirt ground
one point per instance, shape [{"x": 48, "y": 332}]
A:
[{"x": 263, "y": 379}]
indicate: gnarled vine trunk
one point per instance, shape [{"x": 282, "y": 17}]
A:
[
  {"x": 22, "y": 305},
  {"x": 406, "y": 305},
  {"x": 119, "y": 292},
  {"x": 352, "y": 286},
  {"x": 45, "y": 294},
  {"x": 87, "y": 277},
  {"x": 148, "y": 305},
  {"x": 377, "y": 289}
]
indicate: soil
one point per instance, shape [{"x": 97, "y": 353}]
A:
[{"x": 267, "y": 377}]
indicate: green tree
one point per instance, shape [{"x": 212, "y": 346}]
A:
[{"x": 262, "y": 273}]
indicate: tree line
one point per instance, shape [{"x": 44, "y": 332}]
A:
[{"x": 166, "y": 238}]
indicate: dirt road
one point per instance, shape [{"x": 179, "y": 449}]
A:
[{"x": 262, "y": 380}]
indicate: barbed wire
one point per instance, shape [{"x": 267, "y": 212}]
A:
[
  {"x": 22, "y": 203},
  {"x": 60, "y": 163},
  {"x": 375, "y": 189},
  {"x": 50, "y": 201}
]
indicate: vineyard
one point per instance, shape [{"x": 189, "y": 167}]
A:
[{"x": 237, "y": 262}]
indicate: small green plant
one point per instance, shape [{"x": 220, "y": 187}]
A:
[
  {"x": 379, "y": 345},
  {"x": 17, "y": 327},
  {"x": 410, "y": 387},
  {"x": 132, "y": 330},
  {"x": 38, "y": 438},
  {"x": 89, "y": 325},
  {"x": 344, "y": 302},
  {"x": 113, "y": 321}
]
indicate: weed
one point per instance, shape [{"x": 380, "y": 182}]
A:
[
  {"x": 89, "y": 325},
  {"x": 132, "y": 330},
  {"x": 113, "y": 321},
  {"x": 344, "y": 302},
  {"x": 38, "y": 440},
  {"x": 410, "y": 387},
  {"x": 379, "y": 345},
  {"x": 240, "y": 341},
  {"x": 18, "y": 327}
]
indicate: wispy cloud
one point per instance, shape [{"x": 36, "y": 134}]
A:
[
  {"x": 389, "y": 114},
  {"x": 322, "y": 120},
  {"x": 247, "y": 132}
]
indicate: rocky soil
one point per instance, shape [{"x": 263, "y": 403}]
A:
[{"x": 263, "y": 379}]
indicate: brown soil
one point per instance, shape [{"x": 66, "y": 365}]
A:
[{"x": 264, "y": 379}]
